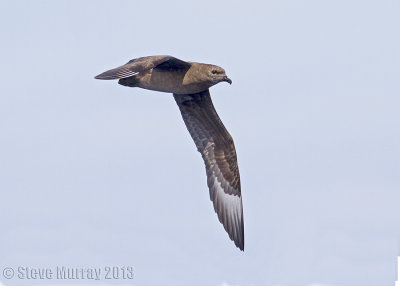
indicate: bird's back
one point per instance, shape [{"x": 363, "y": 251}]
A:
[{"x": 171, "y": 80}]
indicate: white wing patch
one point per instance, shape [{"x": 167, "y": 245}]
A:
[
  {"x": 229, "y": 209},
  {"x": 117, "y": 73}
]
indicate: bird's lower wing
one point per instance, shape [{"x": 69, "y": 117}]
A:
[
  {"x": 140, "y": 65},
  {"x": 218, "y": 151}
]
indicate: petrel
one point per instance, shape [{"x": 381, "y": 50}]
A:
[{"x": 190, "y": 82}]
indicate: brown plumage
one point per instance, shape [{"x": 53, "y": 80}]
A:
[{"x": 189, "y": 82}]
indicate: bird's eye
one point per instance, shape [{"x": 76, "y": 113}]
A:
[{"x": 214, "y": 72}]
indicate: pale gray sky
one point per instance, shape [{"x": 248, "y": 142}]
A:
[{"x": 94, "y": 174}]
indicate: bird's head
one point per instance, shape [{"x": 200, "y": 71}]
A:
[{"x": 217, "y": 74}]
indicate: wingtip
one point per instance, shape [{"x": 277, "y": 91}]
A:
[
  {"x": 240, "y": 244},
  {"x": 108, "y": 75},
  {"x": 102, "y": 76}
]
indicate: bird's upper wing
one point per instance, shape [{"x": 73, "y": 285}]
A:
[
  {"x": 218, "y": 151},
  {"x": 140, "y": 65}
]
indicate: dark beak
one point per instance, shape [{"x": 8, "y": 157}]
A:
[{"x": 227, "y": 79}]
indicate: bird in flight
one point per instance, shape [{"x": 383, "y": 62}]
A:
[{"x": 190, "y": 82}]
